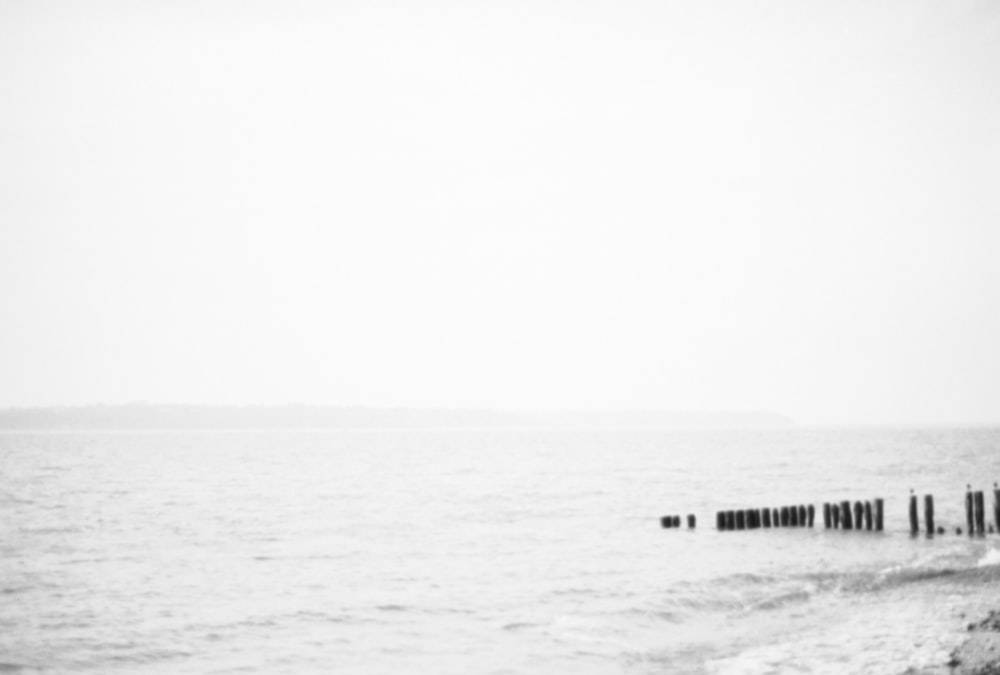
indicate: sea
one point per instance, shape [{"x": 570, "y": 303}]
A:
[{"x": 466, "y": 551}]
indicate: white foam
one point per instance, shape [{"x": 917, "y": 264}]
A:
[{"x": 992, "y": 557}]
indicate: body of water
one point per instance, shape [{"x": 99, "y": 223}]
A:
[{"x": 483, "y": 551}]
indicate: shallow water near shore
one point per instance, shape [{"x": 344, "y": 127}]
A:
[{"x": 493, "y": 551}]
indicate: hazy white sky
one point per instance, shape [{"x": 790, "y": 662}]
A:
[{"x": 788, "y": 206}]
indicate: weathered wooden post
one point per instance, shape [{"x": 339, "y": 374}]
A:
[
  {"x": 914, "y": 523},
  {"x": 835, "y": 512},
  {"x": 766, "y": 513},
  {"x": 845, "y": 515},
  {"x": 827, "y": 518},
  {"x": 691, "y": 521},
  {"x": 793, "y": 514},
  {"x": 859, "y": 514},
  {"x": 980, "y": 513},
  {"x": 741, "y": 520},
  {"x": 667, "y": 521},
  {"x": 776, "y": 517},
  {"x": 810, "y": 514},
  {"x": 879, "y": 514},
  {"x": 784, "y": 516},
  {"x": 802, "y": 515},
  {"x": 868, "y": 516},
  {"x": 969, "y": 520},
  {"x": 929, "y": 514},
  {"x": 720, "y": 520},
  {"x": 730, "y": 520},
  {"x": 996, "y": 505}
]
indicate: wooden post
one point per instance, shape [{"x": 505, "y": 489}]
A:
[
  {"x": 868, "y": 516},
  {"x": 802, "y": 516},
  {"x": 879, "y": 514},
  {"x": 741, "y": 520},
  {"x": 730, "y": 520},
  {"x": 677, "y": 521},
  {"x": 845, "y": 515},
  {"x": 793, "y": 518},
  {"x": 784, "y": 516},
  {"x": 810, "y": 514},
  {"x": 914, "y": 523},
  {"x": 980, "y": 513},
  {"x": 720, "y": 520},
  {"x": 859, "y": 514},
  {"x": 827, "y": 518},
  {"x": 776, "y": 517},
  {"x": 766, "y": 513},
  {"x": 929, "y": 513},
  {"x": 690, "y": 521},
  {"x": 996, "y": 505},
  {"x": 667, "y": 521},
  {"x": 969, "y": 521},
  {"x": 835, "y": 512}
]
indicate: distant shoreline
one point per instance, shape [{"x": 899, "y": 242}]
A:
[{"x": 149, "y": 417}]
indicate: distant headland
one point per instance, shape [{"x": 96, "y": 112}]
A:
[{"x": 142, "y": 416}]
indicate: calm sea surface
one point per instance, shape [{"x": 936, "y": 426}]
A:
[{"x": 482, "y": 551}]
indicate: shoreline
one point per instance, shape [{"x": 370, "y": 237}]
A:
[{"x": 977, "y": 655}]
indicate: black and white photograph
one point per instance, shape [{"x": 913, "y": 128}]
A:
[{"x": 500, "y": 337}]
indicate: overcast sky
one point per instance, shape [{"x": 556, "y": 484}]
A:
[{"x": 786, "y": 206}]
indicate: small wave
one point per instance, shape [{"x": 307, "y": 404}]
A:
[
  {"x": 520, "y": 625},
  {"x": 392, "y": 608},
  {"x": 782, "y": 600},
  {"x": 992, "y": 557}
]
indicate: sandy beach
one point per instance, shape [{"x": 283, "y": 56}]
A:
[{"x": 979, "y": 655}]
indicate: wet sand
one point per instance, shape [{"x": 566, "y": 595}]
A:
[{"x": 979, "y": 655}]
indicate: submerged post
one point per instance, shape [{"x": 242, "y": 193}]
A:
[
  {"x": 859, "y": 514},
  {"x": 827, "y": 518},
  {"x": 776, "y": 517},
  {"x": 784, "y": 516},
  {"x": 730, "y": 520},
  {"x": 802, "y": 515},
  {"x": 980, "y": 513},
  {"x": 914, "y": 523},
  {"x": 766, "y": 513},
  {"x": 667, "y": 521},
  {"x": 868, "y": 516},
  {"x": 741, "y": 520},
  {"x": 691, "y": 521},
  {"x": 929, "y": 514},
  {"x": 968, "y": 509},
  {"x": 810, "y": 514},
  {"x": 835, "y": 512},
  {"x": 879, "y": 513},
  {"x": 845, "y": 515},
  {"x": 720, "y": 520}
]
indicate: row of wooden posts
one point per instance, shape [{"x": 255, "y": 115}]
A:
[
  {"x": 868, "y": 515},
  {"x": 752, "y": 519},
  {"x": 975, "y": 513}
]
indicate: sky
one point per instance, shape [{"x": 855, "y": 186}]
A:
[{"x": 786, "y": 206}]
